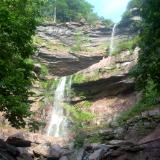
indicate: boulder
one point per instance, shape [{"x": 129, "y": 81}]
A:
[
  {"x": 5, "y": 156},
  {"x": 18, "y": 142},
  {"x": 8, "y": 148},
  {"x": 79, "y": 154},
  {"x": 148, "y": 151},
  {"x": 47, "y": 151},
  {"x": 96, "y": 146},
  {"x": 25, "y": 157},
  {"x": 116, "y": 142},
  {"x": 37, "y": 68},
  {"x": 25, "y": 151}
]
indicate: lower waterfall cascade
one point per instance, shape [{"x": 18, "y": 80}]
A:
[{"x": 58, "y": 122}]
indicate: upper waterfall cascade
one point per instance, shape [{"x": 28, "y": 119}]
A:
[
  {"x": 111, "y": 48},
  {"x": 58, "y": 122}
]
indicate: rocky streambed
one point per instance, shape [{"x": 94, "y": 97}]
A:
[{"x": 136, "y": 140}]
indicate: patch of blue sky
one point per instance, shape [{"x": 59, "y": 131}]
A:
[{"x": 110, "y": 9}]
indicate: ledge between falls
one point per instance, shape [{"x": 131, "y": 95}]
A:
[{"x": 107, "y": 87}]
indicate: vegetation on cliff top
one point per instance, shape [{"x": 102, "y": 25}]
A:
[
  {"x": 70, "y": 10},
  {"x": 146, "y": 72},
  {"x": 149, "y": 59}
]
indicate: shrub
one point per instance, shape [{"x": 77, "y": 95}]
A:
[
  {"x": 79, "y": 39},
  {"x": 79, "y": 78},
  {"x": 148, "y": 101},
  {"x": 80, "y": 118},
  {"x": 126, "y": 45},
  {"x": 17, "y": 25}
]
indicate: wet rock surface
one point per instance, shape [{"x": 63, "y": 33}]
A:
[
  {"x": 124, "y": 150},
  {"x": 20, "y": 145},
  {"x": 116, "y": 150},
  {"x": 18, "y": 151}
]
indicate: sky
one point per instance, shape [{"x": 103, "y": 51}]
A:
[{"x": 110, "y": 9}]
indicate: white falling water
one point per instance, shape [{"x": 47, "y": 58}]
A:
[
  {"x": 68, "y": 87},
  {"x": 57, "y": 122},
  {"x": 111, "y": 48}
]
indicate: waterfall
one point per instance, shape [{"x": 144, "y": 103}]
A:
[
  {"x": 68, "y": 87},
  {"x": 58, "y": 122},
  {"x": 111, "y": 48}
]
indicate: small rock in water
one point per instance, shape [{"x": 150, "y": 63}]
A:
[
  {"x": 97, "y": 155},
  {"x": 100, "y": 146},
  {"x": 46, "y": 151},
  {"x": 115, "y": 142},
  {"x": 63, "y": 158},
  {"x": 79, "y": 154}
]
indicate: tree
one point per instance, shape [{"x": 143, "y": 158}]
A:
[
  {"x": 17, "y": 25},
  {"x": 55, "y": 13},
  {"x": 67, "y": 10},
  {"x": 148, "y": 67},
  {"x": 134, "y": 4}
]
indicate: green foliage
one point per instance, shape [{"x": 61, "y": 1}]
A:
[
  {"x": 17, "y": 25},
  {"x": 127, "y": 14},
  {"x": 146, "y": 72},
  {"x": 79, "y": 39},
  {"x": 151, "y": 92},
  {"x": 92, "y": 18},
  {"x": 87, "y": 104},
  {"x": 48, "y": 87},
  {"x": 50, "y": 45},
  {"x": 95, "y": 138},
  {"x": 131, "y": 17},
  {"x": 148, "y": 101},
  {"x": 80, "y": 118},
  {"x": 79, "y": 139},
  {"x": 134, "y": 4},
  {"x": 107, "y": 22},
  {"x": 78, "y": 78},
  {"x": 126, "y": 45},
  {"x": 78, "y": 42},
  {"x": 149, "y": 59},
  {"x": 131, "y": 6},
  {"x": 34, "y": 126},
  {"x": 67, "y": 10},
  {"x": 44, "y": 70}
]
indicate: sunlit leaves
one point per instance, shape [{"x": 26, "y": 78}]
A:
[{"x": 17, "y": 25}]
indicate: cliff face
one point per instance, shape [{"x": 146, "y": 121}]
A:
[
  {"x": 70, "y": 47},
  {"x": 108, "y": 87},
  {"x": 80, "y": 49},
  {"x": 76, "y": 48}
]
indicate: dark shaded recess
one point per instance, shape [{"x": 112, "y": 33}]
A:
[
  {"x": 63, "y": 66},
  {"x": 18, "y": 142},
  {"x": 108, "y": 87}
]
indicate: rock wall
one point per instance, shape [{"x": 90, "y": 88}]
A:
[{"x": 108, "y": 87}]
